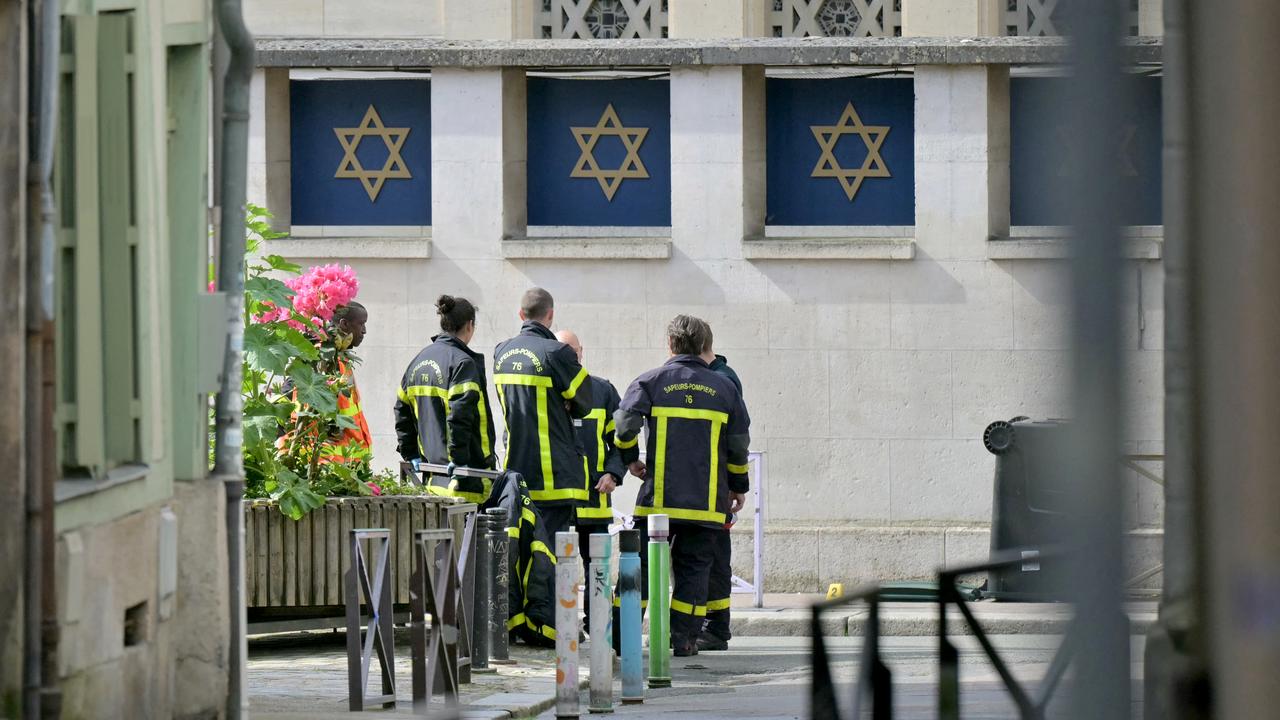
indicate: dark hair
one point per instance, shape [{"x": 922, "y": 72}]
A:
[
  {"x": 536, "y": 303},
  {"x": 687, "y": 335},
  {"x": 706, "y": 346},
  {"x": 454, "y": 313},
  {"x": 342, "y": 311}
]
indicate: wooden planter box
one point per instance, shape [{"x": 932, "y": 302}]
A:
[{"x": 294, "y": 569}]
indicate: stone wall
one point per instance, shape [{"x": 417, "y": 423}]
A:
[{"x": 870, "y": 373}]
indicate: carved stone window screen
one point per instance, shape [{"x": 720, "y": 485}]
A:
[
  {"x": 836, "y": 18},
  {"x": 601, "y": 19},
  {"x": 1037, "y": 18}
]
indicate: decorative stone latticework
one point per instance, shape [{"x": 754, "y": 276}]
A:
[
  {"x": 602, "y": 19},
  {"x": 1036, "y": 18},
  {"x": 836, "y": 18}
]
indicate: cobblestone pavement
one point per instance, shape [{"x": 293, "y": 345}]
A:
[{"x": 304, "y": 675}]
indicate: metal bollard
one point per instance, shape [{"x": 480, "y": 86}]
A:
[
  {"x": 483, "y": 599},
  {"x": 568, "y": 625},
  {"x": 629, "y": 585},
  {"x": 601, "y": 589},
  {"x": 499, "y": 556},
  {"x": 659, "y": 602}
]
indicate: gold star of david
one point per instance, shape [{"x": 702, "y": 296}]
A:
[
  {"x": 872, "y": 165},
  {"x": 350, "y": 166},
  {"x": 632, "y": 166}
]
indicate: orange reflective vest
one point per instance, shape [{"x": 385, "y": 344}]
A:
[{"x": 349, "y": 405}]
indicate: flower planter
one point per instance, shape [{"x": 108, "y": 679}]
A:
[{"x": 294, "y": 569}]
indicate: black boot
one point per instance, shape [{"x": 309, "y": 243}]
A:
[
  {"x": 684, "y": 647},
  {"x": 708, "y": 642}
]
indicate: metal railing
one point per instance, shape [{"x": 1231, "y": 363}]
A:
[
  {"x": 874, "y": 677},
  {"x": 758, "y": 465},
  {"x": 1030, "y": 706},
  {"x": 378, "y": 637}
]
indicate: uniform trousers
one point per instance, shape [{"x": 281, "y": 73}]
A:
[{"x": 720, "y": 589}]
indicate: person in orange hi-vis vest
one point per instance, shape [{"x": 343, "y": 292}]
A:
[{"x": 350, "y": 321}]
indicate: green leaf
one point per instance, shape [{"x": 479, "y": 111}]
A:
[
  {"x": 279, "y": 264},
  {"x": 265, "y": 289},
  {"x": 299, "y": 342},
  {"x": 260, "y": 429},
  {"x": 263, "y": 352},
  {"x": 346, "y": 422},
  {"x": 312, "y": 389}
]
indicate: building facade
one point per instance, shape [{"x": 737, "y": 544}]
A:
[
  {"x": 872, "y": 237},
  {"x": 140, "y": 613}
]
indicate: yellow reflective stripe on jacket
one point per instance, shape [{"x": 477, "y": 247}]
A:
[
  {"x": 404, "y": 396},
  {"x": 681, "y": 606},
  {"x": 539, "y": 546},
  {"x": 575, "y": 384},
  {"x": 626, "y": 444},
  {"x": 683, "y": 514},
  {"x": 544, "y": 443},
  {"x": 453, "y": 491},
  {"x": 462, "y": 389},
  {"x": 660, "y": 462},
  {"x": 714, "y": 482},
  {"x": 609, "y": 426},
  {"x": 425, "y": 390},
  {"x": 717, "y": 605},
  {"x": 518, "y": 379},
  {"x": 598, "y": 415},
  {"x": 561, "y": 494},
  {"x": 691, "y": 414},
  {"x": 738, "y": 469}
]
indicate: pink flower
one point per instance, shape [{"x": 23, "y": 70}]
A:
[
  {"x": 213, "y": 286},
  {"x": 376, "y": 490}
]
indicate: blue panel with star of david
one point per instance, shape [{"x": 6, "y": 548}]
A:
[
  {"x": 556, "y": 196},
  {"x": 319, "y": 107},
  {"x": 1041, "y": 153},
  {"x": 802, "y": 113}
]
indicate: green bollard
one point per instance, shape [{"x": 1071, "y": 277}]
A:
[{"x": 659, "y": 602}]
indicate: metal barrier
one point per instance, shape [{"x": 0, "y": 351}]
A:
[
  {"x": 378, "y": 637},
  {"x": 758, "y": 466},
  {"x": 1029, "y": 707},
  {"x": 434, "y": 594},
  {"x": 874, "y": 677},
  {"x": 460, "y": 519}
]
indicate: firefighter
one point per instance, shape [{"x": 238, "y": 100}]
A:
[
  {"x": 696, "y": 469},
  {"x": 542, "y": 388},
  {"x": 605, "y": 465},
  {"x": 715, "y": 630},
  {"x": 442, "y": 414}
]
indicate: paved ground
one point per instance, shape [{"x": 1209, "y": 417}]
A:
[{"x": 304, "y": 676}]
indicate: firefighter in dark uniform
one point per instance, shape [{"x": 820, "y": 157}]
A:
[
  {"x": 442, "y": 414},
  {"x": 696, "y": 471},
  {"x": 542, "y": 388},
  {"x": 716, "y": 630},
  {"x": 606, "y": 466}
]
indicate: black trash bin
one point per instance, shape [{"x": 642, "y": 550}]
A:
[{"x": 1029, "y": 510}]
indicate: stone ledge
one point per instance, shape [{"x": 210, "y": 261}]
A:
[
  {"x": 613, "y": 248},
  {"x": 1053, "y": 248},
  {"x": 830, "y": 248},
  {"x": 302, "y": 52},
  {"x": 351, "y": 247}
]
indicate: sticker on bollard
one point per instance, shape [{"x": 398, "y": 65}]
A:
[
  {"x": 629, "y": 587},
  {"x": 659, "y": 602},
  {"x": 567, "y": 625},
  {"x": 601, "y": 620}
]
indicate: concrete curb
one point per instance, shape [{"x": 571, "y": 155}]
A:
[
  {"x": 921, "y": 620},
  {"x": 513, "y": 705}
]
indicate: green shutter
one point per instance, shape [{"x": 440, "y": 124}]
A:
[{"x": 118, "y": 308}]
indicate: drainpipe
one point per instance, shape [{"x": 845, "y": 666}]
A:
[
  {"x": 42, "y": 608},
  {"x": 228, "y": 459},
  {"x": 1175, "y": 670}
]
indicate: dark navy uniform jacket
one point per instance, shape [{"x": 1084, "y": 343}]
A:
[
  {"x": 595, "y": 433},
  {"x": 542, "y": 388},
  {"x": 442, "y": 414},
  {"x": 697, "y": 440}
]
